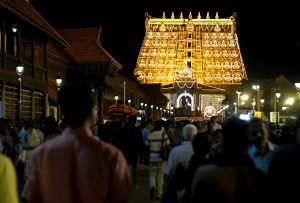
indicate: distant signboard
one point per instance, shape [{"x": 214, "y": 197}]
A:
[
  {"x": 245, "y": 117},
  {"x": 258, "y": 114},
  {"x": 273, "y": 117}
]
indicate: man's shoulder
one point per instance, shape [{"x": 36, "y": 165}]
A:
[{"x": 5, "y": 162}]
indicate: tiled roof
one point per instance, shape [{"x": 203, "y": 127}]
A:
[
  {"x": 27, "y": 12},
  {"x": 85, "y": 46}
]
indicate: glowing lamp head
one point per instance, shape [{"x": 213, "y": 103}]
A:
[
  {"x": 116, "y": 98},
  {"x": 58, "y": 80},
  {"x": 297, "y": 85},
  {"x": 14, "y": 27},
  {"x": 20, "y": 69}
]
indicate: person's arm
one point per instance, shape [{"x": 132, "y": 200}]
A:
[
  {"x": 120, "y": 182},
  {"x": 31, "y": 191}
]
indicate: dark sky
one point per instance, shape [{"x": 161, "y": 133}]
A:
[{"x": 267, "y": 31}]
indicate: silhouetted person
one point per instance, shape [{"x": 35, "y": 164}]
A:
[
  {"x": 76, "y": 167},
  {"x": 232, "y": 178},
  {"x": 284, "y": 171},
  {"x": 133, "y": 145}
]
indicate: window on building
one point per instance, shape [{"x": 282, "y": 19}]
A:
[
  {"x": 39, "y": 55},
  {"x": 189, "y": 44},
  {"x": 11, "y": 41},
  {"x": 189, "y": 53},
  {"x": 189, "y": 63},
  {"x": 190, "y": 35},
  {"x": 26, "y": 51}
]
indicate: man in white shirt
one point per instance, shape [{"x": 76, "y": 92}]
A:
[{"x": 183, "y": 152}]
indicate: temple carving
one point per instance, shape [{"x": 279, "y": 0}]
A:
[
  {"x": 189, "y": 53},
  {"x": 209, "y": 46}
]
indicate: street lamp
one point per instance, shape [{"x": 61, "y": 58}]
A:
[
  {"x": 244, "y": 98},
  {"x": 238, "y": 101},
  {"x": 235, "y": 110},
  {"x": 58, "y": 81},
  {"x": 142, "y": 111},
  {"x": 146, "y": 110},
  {"x": 116, "y": 98},
  {"x": 124, "y": 85},
  {"x": 19, "y": 70},
  {"x": 277, "y": 94},
  {"x": 290, "y": 101},
  {"x": 297, "y": 85},
  {"x": 262, "y": 101},
  {"x": 129, "y": 101},
  {"x": 152, "y": 110},
  {"x": 256, "y": 88},
  {"x": 14, "y": 27},
  {"x": 253, "y": 104}
]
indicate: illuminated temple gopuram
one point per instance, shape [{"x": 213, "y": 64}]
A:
[{"x": 196, "y": 61}]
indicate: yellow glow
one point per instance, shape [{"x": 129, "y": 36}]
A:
[
  {"x": 208, "y": 46},
  {"x": 245, "y": 97},
  {"x": 290, "y": 101}
]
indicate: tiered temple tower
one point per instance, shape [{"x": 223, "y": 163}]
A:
[{"x": 194, "y": 59}]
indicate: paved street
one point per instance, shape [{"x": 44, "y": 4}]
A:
[{"x": 140, "y": 193}]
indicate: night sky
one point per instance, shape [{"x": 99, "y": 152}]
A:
[{"x": 268, "y": 36}]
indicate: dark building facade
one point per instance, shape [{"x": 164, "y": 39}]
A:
[{"x": 24, "y": 38}]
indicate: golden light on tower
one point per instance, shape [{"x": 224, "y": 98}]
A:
[{"x": 208, "y": 47}]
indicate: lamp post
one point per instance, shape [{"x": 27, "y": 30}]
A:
[
  {"x": 253, "y": 105},
  {"x": 277, "y": 94},
  {"x": 124, "y": 84},
  {"x": 235, "y": 110},
  {"x": 290, "y": 102},
  {"x": 297, "y": 85},
  {"x": 238, "y": 101},
  {"x": 262, "y": 101},
  {"x": 146, "y": 110},
  {"x": 256, "y": 88},
  {"x": 244, "y": 98},
  {"x": 20, "y": 65},
  {"x": 58, "y": 81},
  {"x": 19, "y": 70},
  {"x": 116, "y": 98},
  {"x": 142, "y": 111},
  {"x": 151, "y": 110}
]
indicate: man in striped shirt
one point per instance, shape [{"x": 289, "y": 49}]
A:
[{"x": 156, "y": 164}]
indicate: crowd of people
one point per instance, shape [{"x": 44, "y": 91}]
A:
[{"x": 84, "y": 160}]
